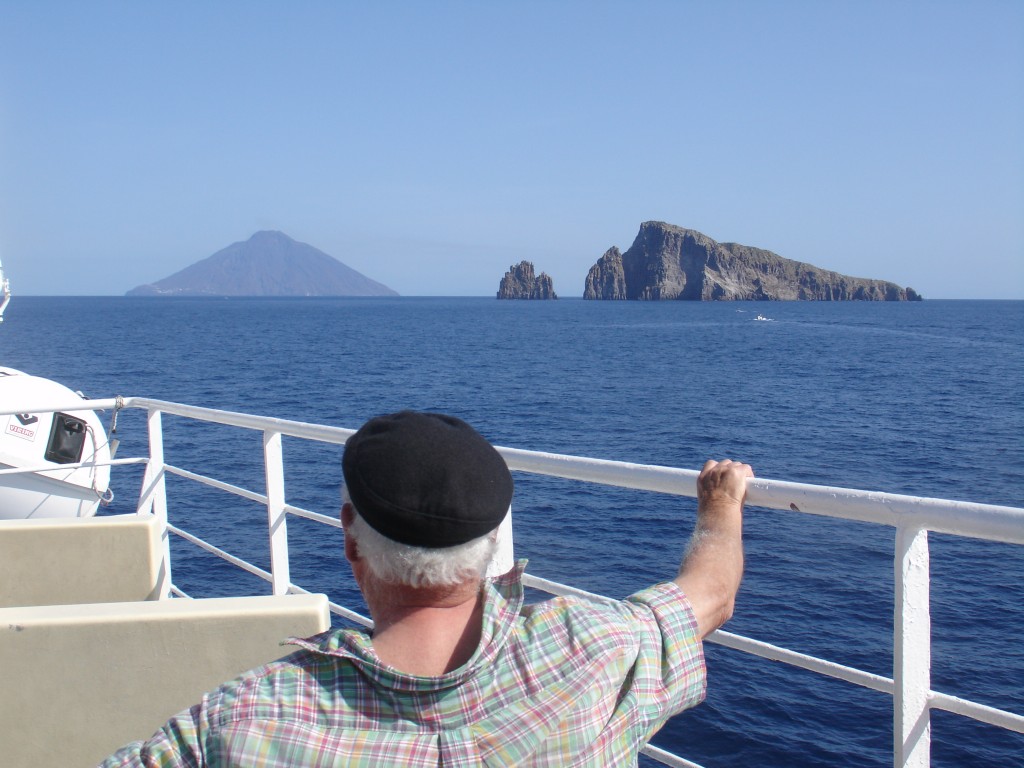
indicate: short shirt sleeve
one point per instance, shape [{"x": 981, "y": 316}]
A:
[{"x": 670, "y": 675}]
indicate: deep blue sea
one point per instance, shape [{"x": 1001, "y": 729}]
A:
[{"x": 915, "y": 398}]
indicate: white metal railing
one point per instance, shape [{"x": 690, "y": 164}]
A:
[{"x": 911, "y": 517}]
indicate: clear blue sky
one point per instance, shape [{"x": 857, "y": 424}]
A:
[{"x": 431, "y": 145}]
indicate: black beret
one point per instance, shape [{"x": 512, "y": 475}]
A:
[{"x": 426, "y": 479}]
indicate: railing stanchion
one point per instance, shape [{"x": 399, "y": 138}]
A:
[
  {"x": 273, "y": 458},
  {"x": 912, "y": 650},
  {"x": 153, "y": 498}
]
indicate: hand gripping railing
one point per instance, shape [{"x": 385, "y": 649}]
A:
[{"x": 911, "y": 517}]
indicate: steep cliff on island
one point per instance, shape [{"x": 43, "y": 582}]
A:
[
  {"x": 521, "y": 283},
  {"x": 670, "y": 262}
]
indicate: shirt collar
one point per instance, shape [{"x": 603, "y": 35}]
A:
[{"x": 503, "y": 600}]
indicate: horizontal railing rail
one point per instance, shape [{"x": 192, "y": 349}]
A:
[
  {"x": 912, "y": 517},
  {"x": 959, "y": 518},
  {"x": 32, "y": 470}
]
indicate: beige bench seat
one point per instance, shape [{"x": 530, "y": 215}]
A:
[{"x": 79, "y": 681}]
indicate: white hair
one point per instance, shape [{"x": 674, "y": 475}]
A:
[{"x": 397, "y": 563}]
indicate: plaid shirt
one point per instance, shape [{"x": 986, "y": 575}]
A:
[{"x": 566, "y": 682}]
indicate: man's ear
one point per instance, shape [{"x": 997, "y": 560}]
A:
[{"x": 348, "y": 514}]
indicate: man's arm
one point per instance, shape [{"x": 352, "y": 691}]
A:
[
  {"x": 175, "y": 745},
  {"x": 713, "y": 565}
]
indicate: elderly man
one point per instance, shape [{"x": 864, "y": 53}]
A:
[{"x": 456, "y": 671}]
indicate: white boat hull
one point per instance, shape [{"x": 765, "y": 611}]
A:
[{"x": 47, "y": 444}]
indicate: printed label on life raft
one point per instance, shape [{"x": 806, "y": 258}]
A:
[{"x": 22, "y": 425}]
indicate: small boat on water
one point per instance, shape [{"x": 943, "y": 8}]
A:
[{"x": 5, "y": 292}]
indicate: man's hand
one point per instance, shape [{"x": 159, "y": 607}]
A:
[
  {"x": 723, "y": 482},
  {"x": 713, "y": 565}
]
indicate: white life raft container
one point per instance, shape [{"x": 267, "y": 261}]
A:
[{"x": 43, "y": 443}]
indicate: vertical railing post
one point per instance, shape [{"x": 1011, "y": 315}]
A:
[
  {"x": 504, "y": 557},
  {"x": 153, "y": 498},
  {"x": 273, "y": 458},
  {"x": 912, "y": 650}
]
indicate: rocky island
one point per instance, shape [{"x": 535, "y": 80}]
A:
[
  {"x": 267, "y": 264},
  {"x": 670, "y": 262},
  {"x": 520, "y": 283}
]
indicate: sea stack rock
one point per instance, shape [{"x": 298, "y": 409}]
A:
[
  {"x": 607, "y": 278},
  {"x": 520, "y": 283},
  {"x": 669, "y": 262}
]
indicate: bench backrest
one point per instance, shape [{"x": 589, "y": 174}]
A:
[
  {"x": 79, "y": 560},
  {"x": 79, "y": 681}
]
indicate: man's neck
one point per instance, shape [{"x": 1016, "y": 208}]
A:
[{"x": 426, "y": 632}]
